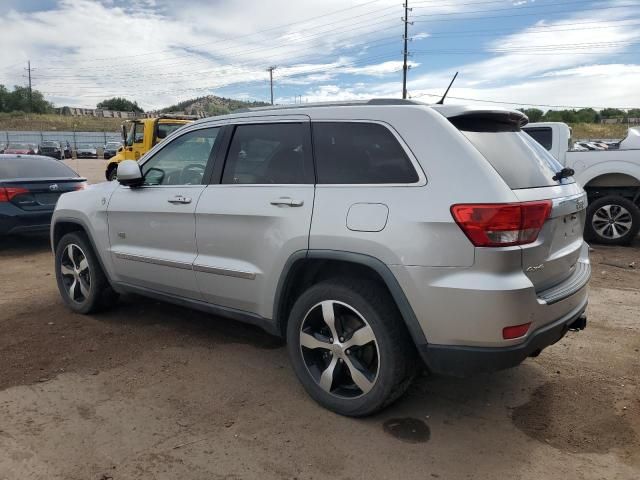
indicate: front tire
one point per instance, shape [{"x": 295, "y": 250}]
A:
[
  {"x": 112, "y": 173},
  {"x": 81, "y": 281},
  {"x": 349, "y": 347},
  {"x": 612, "y": 220}
]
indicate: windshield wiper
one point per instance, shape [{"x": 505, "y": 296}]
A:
[{"x": 564, "y": 173}]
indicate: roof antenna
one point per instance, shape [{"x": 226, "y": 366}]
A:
[{"x": 441, "y": 102}]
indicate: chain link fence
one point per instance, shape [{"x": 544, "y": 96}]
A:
[{"x": 70, "y": 139}]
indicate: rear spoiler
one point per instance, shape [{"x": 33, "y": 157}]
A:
[{"x": 490, "y": 121}]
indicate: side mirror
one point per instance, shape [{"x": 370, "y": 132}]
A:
[
  {"x": 124, "y": 133},
  {"x": 129, "y": 173}
]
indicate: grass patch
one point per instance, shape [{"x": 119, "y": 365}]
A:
[
  {"x": 53, "y": 123},
  {"x": 598, "y": 130}
]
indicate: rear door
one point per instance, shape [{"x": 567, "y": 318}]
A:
[
  {"x": 256, "y": 213},
  {"x": 152, "y": 227},
  {"x": 529, "y": 170}
]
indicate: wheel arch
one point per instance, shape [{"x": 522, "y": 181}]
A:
[
  {"x": 65, "y": 225},
  {"x": 304, "y": 268}
]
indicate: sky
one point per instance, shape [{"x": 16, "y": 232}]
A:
[{"x": 512, "y": 53}]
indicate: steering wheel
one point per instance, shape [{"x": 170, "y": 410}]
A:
[{"x": 191, "y": 172}]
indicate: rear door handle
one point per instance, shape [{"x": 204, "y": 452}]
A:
[
  {"x": 287, "y": 202},
  {"x": 179, "y": 199}
]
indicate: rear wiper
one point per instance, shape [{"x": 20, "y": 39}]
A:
[{"x": 564, "y": 173}]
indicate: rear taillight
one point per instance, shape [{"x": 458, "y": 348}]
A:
[
  {"x": 501, "y": 224},
  {"x": 81, "y": 186},
  {"x": 7, "y": 193}
]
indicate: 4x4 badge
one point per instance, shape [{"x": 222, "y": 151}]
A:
[{"x": 535, "y": 268}]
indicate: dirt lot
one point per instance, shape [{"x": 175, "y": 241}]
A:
[{"x": 149, "y": 390}]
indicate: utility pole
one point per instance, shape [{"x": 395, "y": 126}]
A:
[
  {"x": 270, "y": 70},
  {"x": 405, "y": 52},
  {"x": 30, "y": 95}
]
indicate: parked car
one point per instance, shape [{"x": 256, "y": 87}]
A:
[
  {"x": 347, "y": 230},
  {"x": 110, "y": 149},
  {"x": 21, "y": 148},
  {"x": 611, "y": 178},
  {"x": 51, "y": 148},
  {"x": 29, "y": 188},
  {"x": 86, "y": 150}
]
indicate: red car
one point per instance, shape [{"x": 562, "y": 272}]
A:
[{"x": 21, "y": 148}]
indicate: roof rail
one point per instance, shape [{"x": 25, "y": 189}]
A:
[{"x": 346, "y": 103}]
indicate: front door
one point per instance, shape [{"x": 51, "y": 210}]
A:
[
  {"x": 250, "y": 222},
  {"x": 152, "y": 227}
]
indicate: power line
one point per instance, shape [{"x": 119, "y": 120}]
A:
[
  {"x": 492, "y": 17},
  {"x": 517, "y": 103}
]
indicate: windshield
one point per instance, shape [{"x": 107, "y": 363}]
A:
[
  {"x": 519, "y": 159},
  {"x": 48, "y": 143},
  {"x": 164, "y": 129},
  {"x": 85, "y": 146},
  {"x": 19, "y": 146}
]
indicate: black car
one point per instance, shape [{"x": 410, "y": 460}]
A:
[
  {"x": 29, "y": 189},
  {"x": 110, "y": 149},
  {"x": 51, "y": 148}
]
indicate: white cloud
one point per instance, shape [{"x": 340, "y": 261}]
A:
[{"x": 158, "y": 54}]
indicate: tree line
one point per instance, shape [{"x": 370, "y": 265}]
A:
[
  {"x": 19, "y": 100},
  {"x": 583, "y": 115}
]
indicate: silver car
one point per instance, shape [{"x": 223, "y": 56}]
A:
[{"x": 369, "y": 235}]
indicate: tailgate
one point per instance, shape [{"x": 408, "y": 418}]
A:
[{"x": 553, "y": 257}]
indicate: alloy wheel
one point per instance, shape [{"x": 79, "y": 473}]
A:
[
  {"x": 76, "y": 276},
  {"x": 612, "y": 221},
  {"x": 339, "y": 349}
]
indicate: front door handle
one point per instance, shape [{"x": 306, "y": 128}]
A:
[
  {"x": 179, "y": 199},
  {"x": 287, "y": 202}
]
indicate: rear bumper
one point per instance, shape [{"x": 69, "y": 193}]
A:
[
  {"x": 461, "y": 361},
  {"x": 15, "y": 221}
]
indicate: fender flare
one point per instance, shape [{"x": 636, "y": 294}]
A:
[
  {"x": 408, "y": 315},
  {"x": 605, "y": 168},
  {"x": 83, "y": 225}
]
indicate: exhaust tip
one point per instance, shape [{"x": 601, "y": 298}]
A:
[{"x": 579, "y": 323}]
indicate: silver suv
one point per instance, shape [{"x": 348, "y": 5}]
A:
[{"x": 365, "y": 234}]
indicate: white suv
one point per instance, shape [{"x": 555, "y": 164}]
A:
[{"x": 363, "y": 233}]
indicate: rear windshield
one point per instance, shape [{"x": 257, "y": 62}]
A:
[
  {"x": 519, "y": 159},
  {"x": 33, "y": 168}
]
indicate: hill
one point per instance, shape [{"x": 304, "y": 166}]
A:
[{"x": 211, "y": 105}]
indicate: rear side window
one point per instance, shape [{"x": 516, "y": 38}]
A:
[
  {"x": 271, "y": 153},
  {"x": 542, "y": 135},
  {"x": 519, "y": 159},
  {"x": 359, "y": 153},
  {"x": 33, "y": 168}
]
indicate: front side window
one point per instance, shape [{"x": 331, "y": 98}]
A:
[
  {"x": 183, "y": 161},
  {"x": 138, "y": 133},
  {"x": 359, "y": 153},
  {"x": 275, "y": 153}
]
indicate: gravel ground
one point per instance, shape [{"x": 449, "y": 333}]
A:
[{"x": 153, "y": 391}]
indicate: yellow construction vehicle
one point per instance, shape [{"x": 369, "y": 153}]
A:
[{"x": 140, "y": 135}]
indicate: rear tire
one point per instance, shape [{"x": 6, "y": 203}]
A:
[
  {"x": 81, "y": 281},
  {"x": 378, "y": 360},
  {"x": 612, "y": 220}
]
